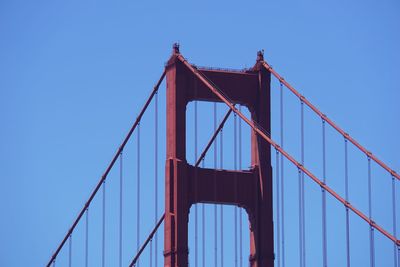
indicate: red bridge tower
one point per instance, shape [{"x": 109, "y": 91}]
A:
[{"x": 186, "y": 185}]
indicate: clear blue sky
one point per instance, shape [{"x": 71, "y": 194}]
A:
[{"x": 73, "y": 76}]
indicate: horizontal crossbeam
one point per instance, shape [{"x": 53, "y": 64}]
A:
[{"x": 233, "y": 187}]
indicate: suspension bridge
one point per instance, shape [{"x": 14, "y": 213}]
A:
[{"x": 311, "y": 195}]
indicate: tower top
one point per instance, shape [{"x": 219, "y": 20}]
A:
[
  {"x": 175, "y": 48},
  {"x": 260, "y": 55}
]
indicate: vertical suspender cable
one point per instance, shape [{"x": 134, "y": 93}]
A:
[
  {"x": 282, "y": 179},
  {"x": 303, "y": 237},
  {"x": 324, "y": 241},
  {"x": 120, "y": 208},
  {"x": 103, "y": 255},
  {"x": 138, "y": 193},
  {"x": 235, "y": 168},
  {"x": 203, "y": 216},
  {"x": 87, "y": 239},
  {"x": 303, "y": 195},
  {"x": 70, "y": 251},
  {"x": 395, "y": 260},
  {"x": 278, "y": 230},
  {"x": 151, "y": 252},
  {"x": 196, "y": 231},
  {"x": 215, "y": 190},
  {"x": 300, "y": 221},
  {"x": 346, "y": 177},
  {"x": 222, "y": 207},
  {"x": 240, "y": 211},
  {"x": 371, "y": 229},
  {"x": 156, "y": 176}
]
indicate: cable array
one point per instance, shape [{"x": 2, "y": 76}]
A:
[
  {"x": 329, "y": 121},
  {"x": 101, "y": 182},
  {"x": 281, "y": 154},
  {"x": 263, "y": 134}
]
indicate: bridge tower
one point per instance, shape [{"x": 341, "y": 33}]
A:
[{"x": 186, "y": 185}]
